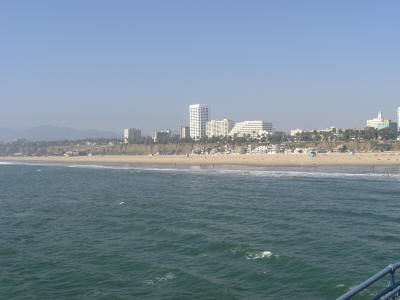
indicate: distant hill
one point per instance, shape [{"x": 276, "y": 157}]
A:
[{"x": 53, "y": 133}]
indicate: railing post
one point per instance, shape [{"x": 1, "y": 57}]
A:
[{"x": 391, "y": 280}]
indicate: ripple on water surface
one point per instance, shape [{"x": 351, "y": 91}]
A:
[{"x": 100, "y": 232}]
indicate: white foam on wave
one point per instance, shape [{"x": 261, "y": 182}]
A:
[
  {"x": 7, "y": 163},
  {"x": 148, "y": 282},
  {"x": 259, "y": 254},
  {"x": 83, "y": 166},
  {"x": 301, "y": 174},
  {"x": 168, "y": 276},
  {"x": 25, "y": 163},
  {"x": 118, "y": 167},
  {"x": 159, "y": 279},
  {"x": 277, "y": 173},
  {"x": 241, "y": 172}
]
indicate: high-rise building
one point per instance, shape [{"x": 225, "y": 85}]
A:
[
  {"x": 198, "y": 117},
  {"x": 398, "y": 118},
  {"x": 130, "y": 134},
  {"x": 380, "y": 123},
  {"x": 185, "y": 132},
  {"x": 218, "y": 128},
  {"x": 252, "y": 128}
]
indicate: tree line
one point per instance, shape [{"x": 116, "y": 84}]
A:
[{"x": 26, "y": 147}]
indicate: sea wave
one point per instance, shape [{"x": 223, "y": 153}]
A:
[
  {"x": 275, "y": 173},
  {"x": 260, "y": 254},
  {"x": 84, "y": 166},
  {"x": 159, "y": 279},
  {"x": 244, "y": 172},
  {"x": 7, "y": 163}
]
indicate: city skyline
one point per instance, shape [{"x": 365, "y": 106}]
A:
[
  {"x": 105, "y": 66},
  {"x": 200, "y": 117},
  {"x": 178, "y": 131}
]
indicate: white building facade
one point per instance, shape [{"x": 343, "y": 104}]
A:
[
  {"x": 219, "y": 128},
  {"x": 398, "y": 118},
  {"x": 198, "y": 118},
  {"x": 294, "y": 132},
  {"x": 252, "y": 128},
  {"x": 376, "y": 121},
  {"x": 380, "y": 123}
]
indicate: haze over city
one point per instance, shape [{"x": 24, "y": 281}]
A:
[
  {"x": 111, "y": 65},
  {"x": 209, "y": 149}
]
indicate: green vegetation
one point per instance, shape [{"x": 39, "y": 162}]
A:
[{"x": 356, "y": 140}]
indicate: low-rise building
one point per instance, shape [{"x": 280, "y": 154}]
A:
[
  {"x": 157, "y": 135},
  {"x": 219, "y": 128},
  {"x": 294, "y": 132},
  {"x": 330, "y": 129},
  {"x": 269, "y": 149},
  {"x": 380, "y": 123}
]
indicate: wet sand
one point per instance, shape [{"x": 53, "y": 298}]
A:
[{"x": 290, "y": 160}]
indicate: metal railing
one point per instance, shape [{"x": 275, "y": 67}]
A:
[{"x": 391, "y": 292}]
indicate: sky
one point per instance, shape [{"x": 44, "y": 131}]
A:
[{"x": 110, "y": 65}]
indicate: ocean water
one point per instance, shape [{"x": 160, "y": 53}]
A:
[{"x": 148, "y": 232}]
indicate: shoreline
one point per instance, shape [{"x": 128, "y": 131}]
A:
[{"x": 253, "y": 160}]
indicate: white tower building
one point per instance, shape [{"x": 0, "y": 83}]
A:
[
  {"x": 398, "y": 118},
  {"x": 198, "y": 118}
]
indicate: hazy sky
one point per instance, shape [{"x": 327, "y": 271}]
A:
[{"x": 113, "y": 64}]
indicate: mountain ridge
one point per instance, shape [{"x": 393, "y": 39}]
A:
[{"x": 53, "y": 133}]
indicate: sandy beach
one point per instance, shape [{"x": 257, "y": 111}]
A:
[{"x": 292, "y": 160}]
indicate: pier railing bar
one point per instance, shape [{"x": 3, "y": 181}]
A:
[
  {"x": 393, "y": 293},
  {"x": 390, "y": 292}
]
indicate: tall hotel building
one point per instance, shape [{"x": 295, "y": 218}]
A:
[
  {"x": 198, "y": 118},
  {"x": 398, "y": 118}
]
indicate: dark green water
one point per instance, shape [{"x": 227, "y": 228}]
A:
[{"x": 125, "y": 232}]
